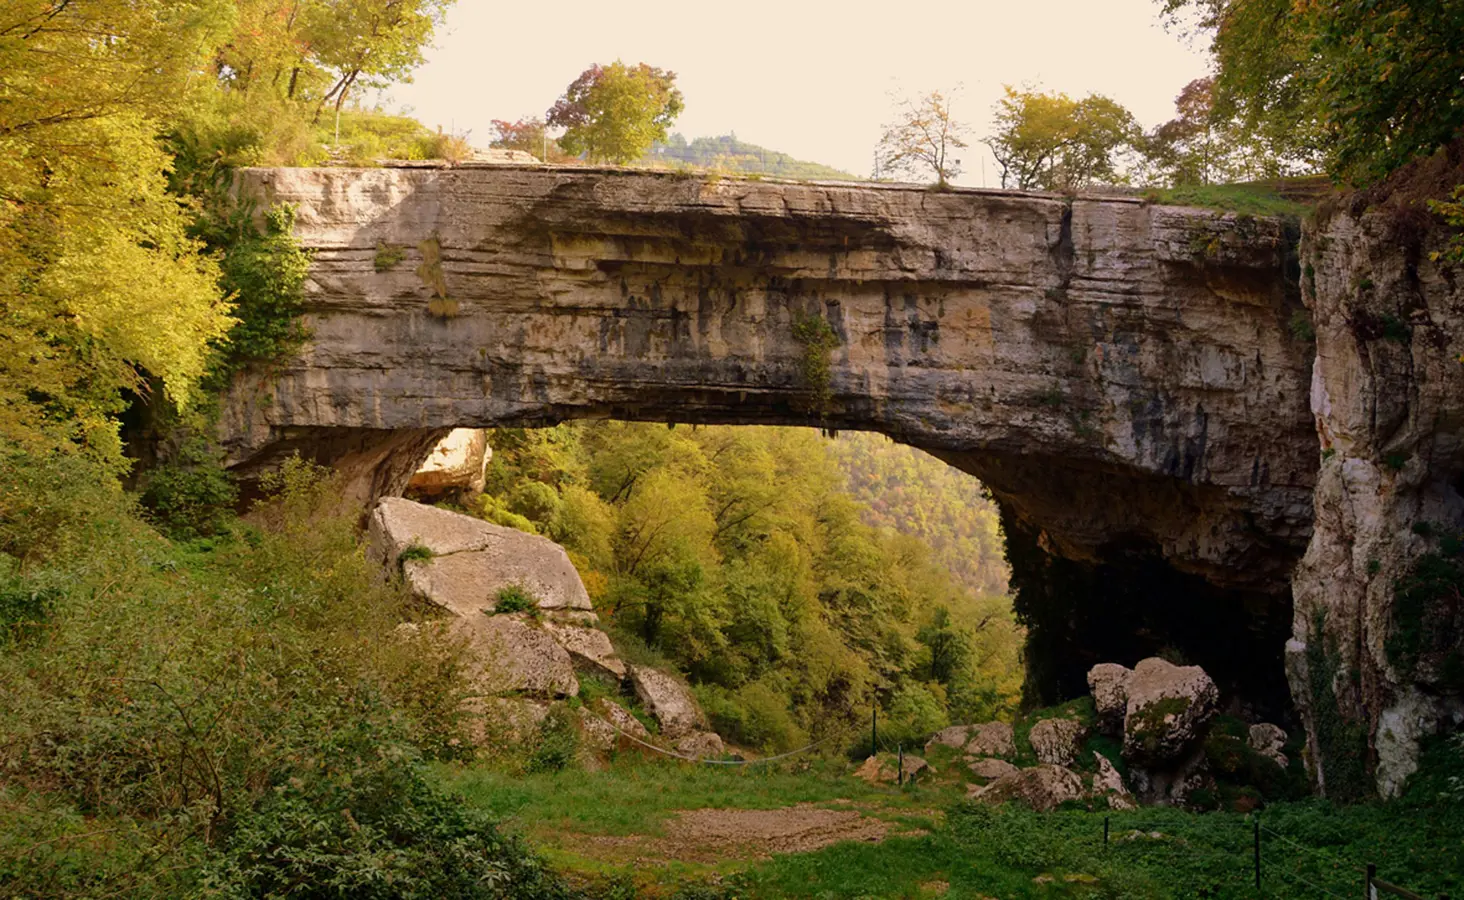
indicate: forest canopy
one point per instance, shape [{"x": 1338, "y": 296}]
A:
[{"x": 738, "y": 555}]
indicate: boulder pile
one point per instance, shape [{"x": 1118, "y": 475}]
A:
[{"x": 516, "y": 606}]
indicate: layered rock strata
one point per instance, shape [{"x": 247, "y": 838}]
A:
[{"x": 1117, "y": 373}]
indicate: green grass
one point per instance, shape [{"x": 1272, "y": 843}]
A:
[
  {"x": 635, "y": 795},
  {"x": 1246, "y": 199}
]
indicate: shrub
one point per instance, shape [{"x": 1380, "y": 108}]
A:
[
  {"x": 535, "y": 501},
  {"x": 514, "y": 599},
  {"x": 191, "y": 495},
  {"x": 556, "y": 741}
]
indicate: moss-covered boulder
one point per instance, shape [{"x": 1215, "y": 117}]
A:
[{"x": 1168, "y": 710}]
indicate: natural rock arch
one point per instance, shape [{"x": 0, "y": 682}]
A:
[{"x": 1120, "y": 375}]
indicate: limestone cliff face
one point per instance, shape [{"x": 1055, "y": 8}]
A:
[
  {"x": 1372, "y": 672},
  {"x": 1119, "y": 374}
]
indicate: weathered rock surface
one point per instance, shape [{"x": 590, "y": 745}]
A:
[
  {"x": 1043, "y": 788},
  {"x": 700, "y": 744},
  {"x": 1108, "y": 683},
  {"x": 954, "y": 736},
  {"x": 603, "y": 722},
  {"x": 1167, "y": 711},
  {"x": 991, "y": 739},
  {"x": 471, "y": 560},
  {"x": 885, "y": 768},
  {"x": 668, "y": 700},
  {"x": 1388, "y": 399},
  {"x": 991, "y": 769},
  {"x": 1108, "y": 784},
  {"x": 1269, "y": 741},
  {"x": 502, "y": 721},
  {"x": 513, "y": 654},
  {"x": 1056, "y": 741},
  {"x": 589, "y": 648},
  {"x": 1113, "y": 371},
  {"x": 457, "y": 463}
]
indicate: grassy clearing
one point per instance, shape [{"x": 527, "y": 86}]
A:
[
  {"x": 635, "y": 795},
  {"x": 584, "y": 823},
  {"x": 1254, "y": 199}
]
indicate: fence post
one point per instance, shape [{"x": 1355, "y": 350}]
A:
[
  {"x": 1258, "y": 852},
  {"x": 1372, "y": 872},
  {"x": 1105, "y": 832},
  {"x": 874, "y": 730},
  {"x": 900, "y": 750}
]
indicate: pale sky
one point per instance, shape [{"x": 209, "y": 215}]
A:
[{"x": 806, "y": 77}]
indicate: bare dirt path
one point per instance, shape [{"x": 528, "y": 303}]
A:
[{"x": 711, "y": 836}]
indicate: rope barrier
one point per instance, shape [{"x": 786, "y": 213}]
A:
[
  {"x": 1314, "y": 851},
  {"x": 1315, "y": 887},
  {"x": 717, "y": 762}
]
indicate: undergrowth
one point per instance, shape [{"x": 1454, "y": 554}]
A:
[{"x": 235, "y": 716}]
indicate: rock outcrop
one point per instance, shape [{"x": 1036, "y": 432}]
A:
[
  {"x": 1108, "y": 683},
  {"x": 700, "y": 744},
  {"x": 1167, "y": 711},
  {"x": 1374, "y": 670},
  {"x": 990, "y": 739},
  {"x": 668, "y": 700},
  {"x": 1118, "y": 374},
  {"x": 1056, "y": 741},
  {"x": 1108, "y": 785},
  {"x": 991, "y": 769},
  {"x": 1269, "y": 741},
  {"x": 1042, "y": 788},
  {"x": 458, "y": 463},
  {"x": 890, "y": 768},
  {"x": 464, "y": 562},
  {"x": 513, "y": 654}
]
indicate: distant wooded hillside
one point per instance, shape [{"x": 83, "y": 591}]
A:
[{"x": 728, "y": 153}]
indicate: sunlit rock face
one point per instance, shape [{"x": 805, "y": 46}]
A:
[
  {"x": 1117, "y": 373},
  {"x": 1120, "y": 375}
]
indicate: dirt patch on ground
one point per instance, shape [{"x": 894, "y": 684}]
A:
[{"x": 714, "y": 835}]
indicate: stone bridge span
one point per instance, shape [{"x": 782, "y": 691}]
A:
[{"x": 1120, "y": 375}]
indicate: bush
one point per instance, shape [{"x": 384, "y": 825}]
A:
[
  {"x": 363, "y": 822},
  {"x": 514, "y": 599},
  {"x": 535, "y": 501},
  {"x": 191, "y": 495},
  {"x": 555, "y": 742}
]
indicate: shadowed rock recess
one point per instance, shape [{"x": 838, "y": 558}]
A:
[{"x": 1120, "y": 375}]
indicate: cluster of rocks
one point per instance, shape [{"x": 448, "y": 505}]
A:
[
  {"x": 520, "y": 663},
  {"x": 1160, "y": 711}
]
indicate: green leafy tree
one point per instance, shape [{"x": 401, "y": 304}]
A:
[
  {"x": 613, "y": 113},
  {"x": 1048, "y": 141},
  {"x": 1359, "y": 86},
  {"x": 921, "y": 139},
  {"x": 101, "y": 286}
]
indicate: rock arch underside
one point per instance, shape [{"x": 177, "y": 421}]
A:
[{"x": 1121, "y": 376}]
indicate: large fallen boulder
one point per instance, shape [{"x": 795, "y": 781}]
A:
[
  {"x": 1042, "y": 788},
  {"x": 1167, "y": 712},
  {"x": 604, "y": 721},
  {"x": 991, "y": 739},
  {"x": 955, "y": 737},
  {"x": 502, "y": 721},
  {"x": 668, "y": 701},
  {"x": 1056, "y": 741},
  {"x": 461, "y": 563},
  {"x": 1108, "y": 683},
  {"x": 701, "y": 744},
  {"x": 991, "y": 769}
]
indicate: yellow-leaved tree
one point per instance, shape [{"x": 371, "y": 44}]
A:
[{"x": 101, "y": 288}]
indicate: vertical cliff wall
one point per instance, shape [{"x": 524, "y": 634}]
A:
[{"x": 1376, "y": 662}]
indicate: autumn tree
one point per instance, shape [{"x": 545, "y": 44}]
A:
[
  {"x": 1048, "y": 141},
  {"x": 1358, "y": 86},
  {"x": 101, "y": 286},
  {"x": 614, "y": 113},
  {"x": 529, "y": 136},
  {"x": 369, "y": 43},
  {"x": 921, "y": 139}
]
